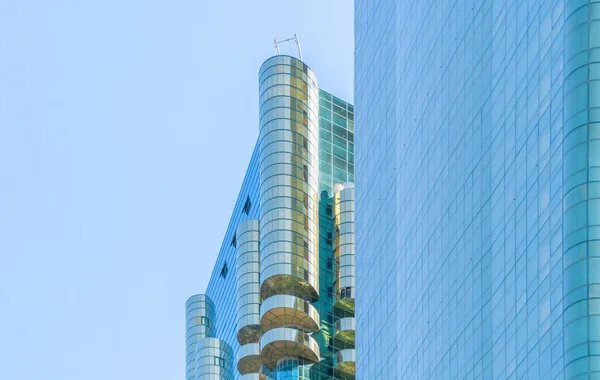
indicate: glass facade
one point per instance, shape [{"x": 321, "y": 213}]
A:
[
  {"x": 274, "y": 283},
  {"x": 476, "y": 189},
  {"x": 336, "y": 141}
]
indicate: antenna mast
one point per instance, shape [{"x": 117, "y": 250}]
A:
[{"x": 295, "y": 38}]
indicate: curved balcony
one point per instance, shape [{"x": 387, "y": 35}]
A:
[
  {"x": 293, "y": 282},
  {"x": 345, "y": 363},
  {"x": 248, "y": 359},
  {"x": 249, "y": 334},
  {"x": 345, "y": 330},
  {"x": 282, "y": 342},
  {"x": 288, "y": 311}
]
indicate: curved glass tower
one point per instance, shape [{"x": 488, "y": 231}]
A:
[
  {"x": 345, "y": 280},
  {"x": 199, "y": 324},
  {"x": 276, "y": 282},
  {"x": 248, "y": 285},
  {"x": 206, "y": 356},
  {"x": 214, "y": 360},
  {"x": 581, "y": 190},
  {"x": 289, "y": 191},
  {"x": 289, "y": 173},
  {"x": 248, "y": 296},
  {"x": 344, "y": 247}
]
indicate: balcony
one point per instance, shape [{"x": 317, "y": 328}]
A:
[
  {"x": 284, "y": 342},
  {"x": 289, "y": 311},
  {"x": 345, "y": 330},
  {"x": 345, "y": 364}
]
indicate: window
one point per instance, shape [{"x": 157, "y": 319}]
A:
[
  {"x": 329, "y": 238},
  {"x": 205, "y": 321},
  {"x": 306, "y": 250},
  {"x": 224, "y": 270},
  {"x": 220, "y": 362},
  {"x": 247, "y": 206},
  {"x": 305, "y": 172},
  {"x": 329, "y": 292},
  {"x": 340, "y": 131},
  {"x": 329, "y": 210},
  {"x": 346, "y": 293},
  {"x": 329, "y": 264}
]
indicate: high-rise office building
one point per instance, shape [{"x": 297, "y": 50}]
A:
[
  {"x": 476, "y": 201},
  {"x": 280, "y": 302}
]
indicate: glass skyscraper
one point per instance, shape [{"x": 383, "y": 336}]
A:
[
  {"x": 280, "y": 302},
  {"x": 477, "y": 197}
]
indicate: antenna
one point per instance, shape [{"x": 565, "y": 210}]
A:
[
  {"x": 277, "y": 47},
  {"x": 295, "y": 38}
]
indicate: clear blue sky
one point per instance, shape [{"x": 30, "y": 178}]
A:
[{"x": 125, "y": 130}]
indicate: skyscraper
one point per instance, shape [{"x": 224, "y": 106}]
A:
[
  {"x": 280, "y": 302},
  {"x": 476, "y": 201}
]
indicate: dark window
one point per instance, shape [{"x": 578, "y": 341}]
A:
[
  {"x": 306, "y": 250},
  {"x": 305, "y": 172},
  {"x": 346, "y": 293},
  {"x": 220, "y": 362},
  {"x": 234, "y": 242},
  {"x": 204, "y": 321},
  {"x": 329, "y": 238},
  {"x": 224, "y": 270},
  {"x": 329, "y": 264},
  {"x": 329, "y": 210},
  {"x": 329, "y": 292},
  {"x": 305, "y": 143},
  {"x": 247, "y": 206}
]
